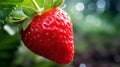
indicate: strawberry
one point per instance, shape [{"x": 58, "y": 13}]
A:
[{"x": 50, "y": 35}]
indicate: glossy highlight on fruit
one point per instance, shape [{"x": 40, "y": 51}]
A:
[{"x": 50, "y": 35}]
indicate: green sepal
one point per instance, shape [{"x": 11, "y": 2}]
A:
[
  {"x": 16, "y": 17},
  {"x": 29, "y": 11},
  {"x": 48, "y": 4},
  {"x": 58, "y": 3},
  {"x": 30, "y": 4},
  {"x": 52, "y": 3},
  {"x": 40, "y": 3},
  {"x": 26, "y": 23}
]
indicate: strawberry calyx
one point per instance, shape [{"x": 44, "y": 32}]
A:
[
  {"x": 30, "y": 12},
  {"x": 48, "y": 4}
]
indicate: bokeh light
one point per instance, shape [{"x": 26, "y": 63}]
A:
[
  {"x": 82, "y": 65},
  {"x": 80, "y": 6},
  {"x": 101, "y": 4}
]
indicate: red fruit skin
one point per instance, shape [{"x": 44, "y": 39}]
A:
[{"x": 50, "y": 35}]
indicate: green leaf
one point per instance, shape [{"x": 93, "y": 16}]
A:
[
  {"x": 48, "y": 4},
  {"x": 58, "y": 3},
  {"x": 7, "y": 7},
  {"x": 29, "y": 11},
  {"x": 26, "y": 23},
  {"x": 6, "y": 10}
]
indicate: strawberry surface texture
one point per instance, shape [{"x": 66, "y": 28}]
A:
[{"x": 50, "y": 35}]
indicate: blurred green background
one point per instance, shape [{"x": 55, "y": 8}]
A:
[{"x": 96, "y": 25}]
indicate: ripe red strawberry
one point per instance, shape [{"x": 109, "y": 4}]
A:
[{"x": 50, "y": 35}]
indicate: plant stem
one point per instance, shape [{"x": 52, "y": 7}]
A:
[{"x": 36, "y": 6}]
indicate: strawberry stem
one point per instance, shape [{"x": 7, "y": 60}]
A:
[{"x": 36, "y": 6}]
